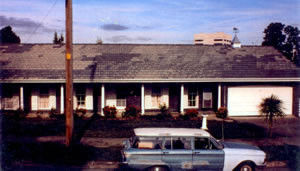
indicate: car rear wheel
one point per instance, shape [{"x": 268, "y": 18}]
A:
[
  {"x": 246, "y": 167},
  {"x": 158, "y": 168}
]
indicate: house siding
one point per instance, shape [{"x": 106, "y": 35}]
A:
[
  {"x": 89, "y": 98},
  {"x": 34, "y": 99},
  {"x": 52, "y": 98},
  {"x": 110, "y": 96},
  {"x": 148, "y": 103},
  {"x": 165, "y": 95}
]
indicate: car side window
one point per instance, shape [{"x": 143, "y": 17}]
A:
[
  {"x": 147, "y": 143},
  {"x": 177, "y": 143},
  {"x": 203, "y": 144}
]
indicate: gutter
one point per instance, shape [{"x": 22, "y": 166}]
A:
[{"x": 204, "y": 80}]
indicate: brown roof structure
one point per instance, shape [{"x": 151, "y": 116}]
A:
[{"x": 145, "y": 63}]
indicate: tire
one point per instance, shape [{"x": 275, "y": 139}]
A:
[
  {"x": 157, "y": 168},
  {"x": 246, "y": 167}
]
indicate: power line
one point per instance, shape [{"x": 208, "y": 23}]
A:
[{"x": 42, "y": 21}]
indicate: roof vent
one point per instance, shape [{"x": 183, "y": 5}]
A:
[{"x": 236, "y": 42}]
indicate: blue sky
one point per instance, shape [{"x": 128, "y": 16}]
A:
[{"x": 146, "y": 21}]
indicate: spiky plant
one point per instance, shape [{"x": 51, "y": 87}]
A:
[{"x": 271, "y": 107}]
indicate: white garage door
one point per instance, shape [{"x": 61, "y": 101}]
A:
[{"x": 244, "y": 100}]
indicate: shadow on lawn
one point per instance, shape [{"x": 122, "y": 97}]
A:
[
  {"x": 54, "y": 154},
  {"x": 234, "y": 130},
  {"x": 286, "y": 152}
]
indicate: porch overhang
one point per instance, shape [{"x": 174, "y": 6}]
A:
[{"x": 181, "y": 80}]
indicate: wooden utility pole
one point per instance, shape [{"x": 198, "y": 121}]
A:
[{"x": 69, "y": 75}]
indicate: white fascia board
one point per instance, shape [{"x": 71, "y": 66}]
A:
[{"x": 204, "y": 80}]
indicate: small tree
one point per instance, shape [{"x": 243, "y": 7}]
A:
[
  {"x": 8, "y": 36},
  {"x": 61, "y": 39},
  {"x": 55, "y": 39},
  {"x": 271, "y": 107},
  {"x": 222, "y": 113}
]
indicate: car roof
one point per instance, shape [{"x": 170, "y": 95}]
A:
[{"x": 170, "y": 132}]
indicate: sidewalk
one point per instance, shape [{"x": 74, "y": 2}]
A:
[{"x": 117, "y": 142}]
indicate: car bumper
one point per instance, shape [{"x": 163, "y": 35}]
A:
[{"x": 261, "y": 166}]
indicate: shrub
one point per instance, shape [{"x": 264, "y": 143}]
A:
[
  {"x": 164, "y": 112},
  {"x": 132, "y": 111},
  {"x": 222, "y": 112},
  {"x": 189, "y": 114},
  {"x": 18, "y": 114},
  {"x": 192, "y": 113},
  {"x": 52, "y": 112},
  {"x": 110, "y": 111},
  {"x": 163, "y": 109},
  {"x": 79, "y": 112}
]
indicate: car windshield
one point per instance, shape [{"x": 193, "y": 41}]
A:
[{"x": 219, "y": 144}]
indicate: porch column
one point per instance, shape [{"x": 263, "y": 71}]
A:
[
  {"x": 143, "y": 99},
  {"x": 21, "y": 98},
  {"x": 102, "y": 98},
  {"x": 62, "y": 99},
  {"x": 219, "y": 95},
  {"x": 181, "y": 98}
]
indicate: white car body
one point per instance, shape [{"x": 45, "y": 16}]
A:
[{"x": 223, "y": 156}]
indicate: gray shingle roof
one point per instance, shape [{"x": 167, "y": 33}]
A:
[{"x": 138, "y": 62}]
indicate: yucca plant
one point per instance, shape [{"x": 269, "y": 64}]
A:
[{"x": 271, "y": 107}]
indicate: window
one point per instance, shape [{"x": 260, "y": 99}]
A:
[
  {"x": 8, "y": 98},
  {"x": 148, "y": 143},
  {"x": 199, "y": 40},
  {"x": 44, "y": 98},
  {"x": 218, "y": 40},
  {"x": 218, "y": 43},
  {"x": 207, "y": 98},
  {"x": 192, "y": 94},
  {"x": 80, "y": 96},
  {"x": 121, "y": 99},
  {"x": 204, "y": 144},
  {"x": 156, "y": 96},
  {"x": 177, "y": 143}
]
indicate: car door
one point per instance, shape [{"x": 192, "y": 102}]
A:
[
  {"x": 206, "y": 155},
  {"x": 146, "y": 152},
  {"x": 177, "y": 152}
]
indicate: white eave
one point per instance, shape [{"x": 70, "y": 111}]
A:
[{"x": 189, "y": 80}]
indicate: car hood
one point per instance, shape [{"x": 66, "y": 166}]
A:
[{"x": 239, "y": 145}]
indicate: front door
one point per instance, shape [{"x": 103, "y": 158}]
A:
[
  {"x": 177, "y": 153},
  {"x": 174, "y": 93},
  {"x": 206, "y": 155}
]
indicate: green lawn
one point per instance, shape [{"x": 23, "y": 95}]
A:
[{"x": 56, "y": 154}]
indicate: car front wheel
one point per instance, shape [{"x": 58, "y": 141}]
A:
[
  {"x": 246, "y": 167},
  {"x": 158, "y": 168}
]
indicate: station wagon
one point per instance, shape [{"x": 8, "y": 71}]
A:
[{"x": 158, "y": 149}]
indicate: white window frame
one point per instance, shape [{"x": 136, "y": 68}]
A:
[
  {"x": 8, "y": 99},
  {"x": 81, "y": 97},
  {"x": 156, "y": 96},
  {"x": 43, "y": 96},
  {"x": 208, "y": 92},
  {"x": 194, "y": 95},
  {"x": 121, "y": 100}
]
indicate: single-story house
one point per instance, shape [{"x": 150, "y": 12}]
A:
[{"x": 183, "y": 77}]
